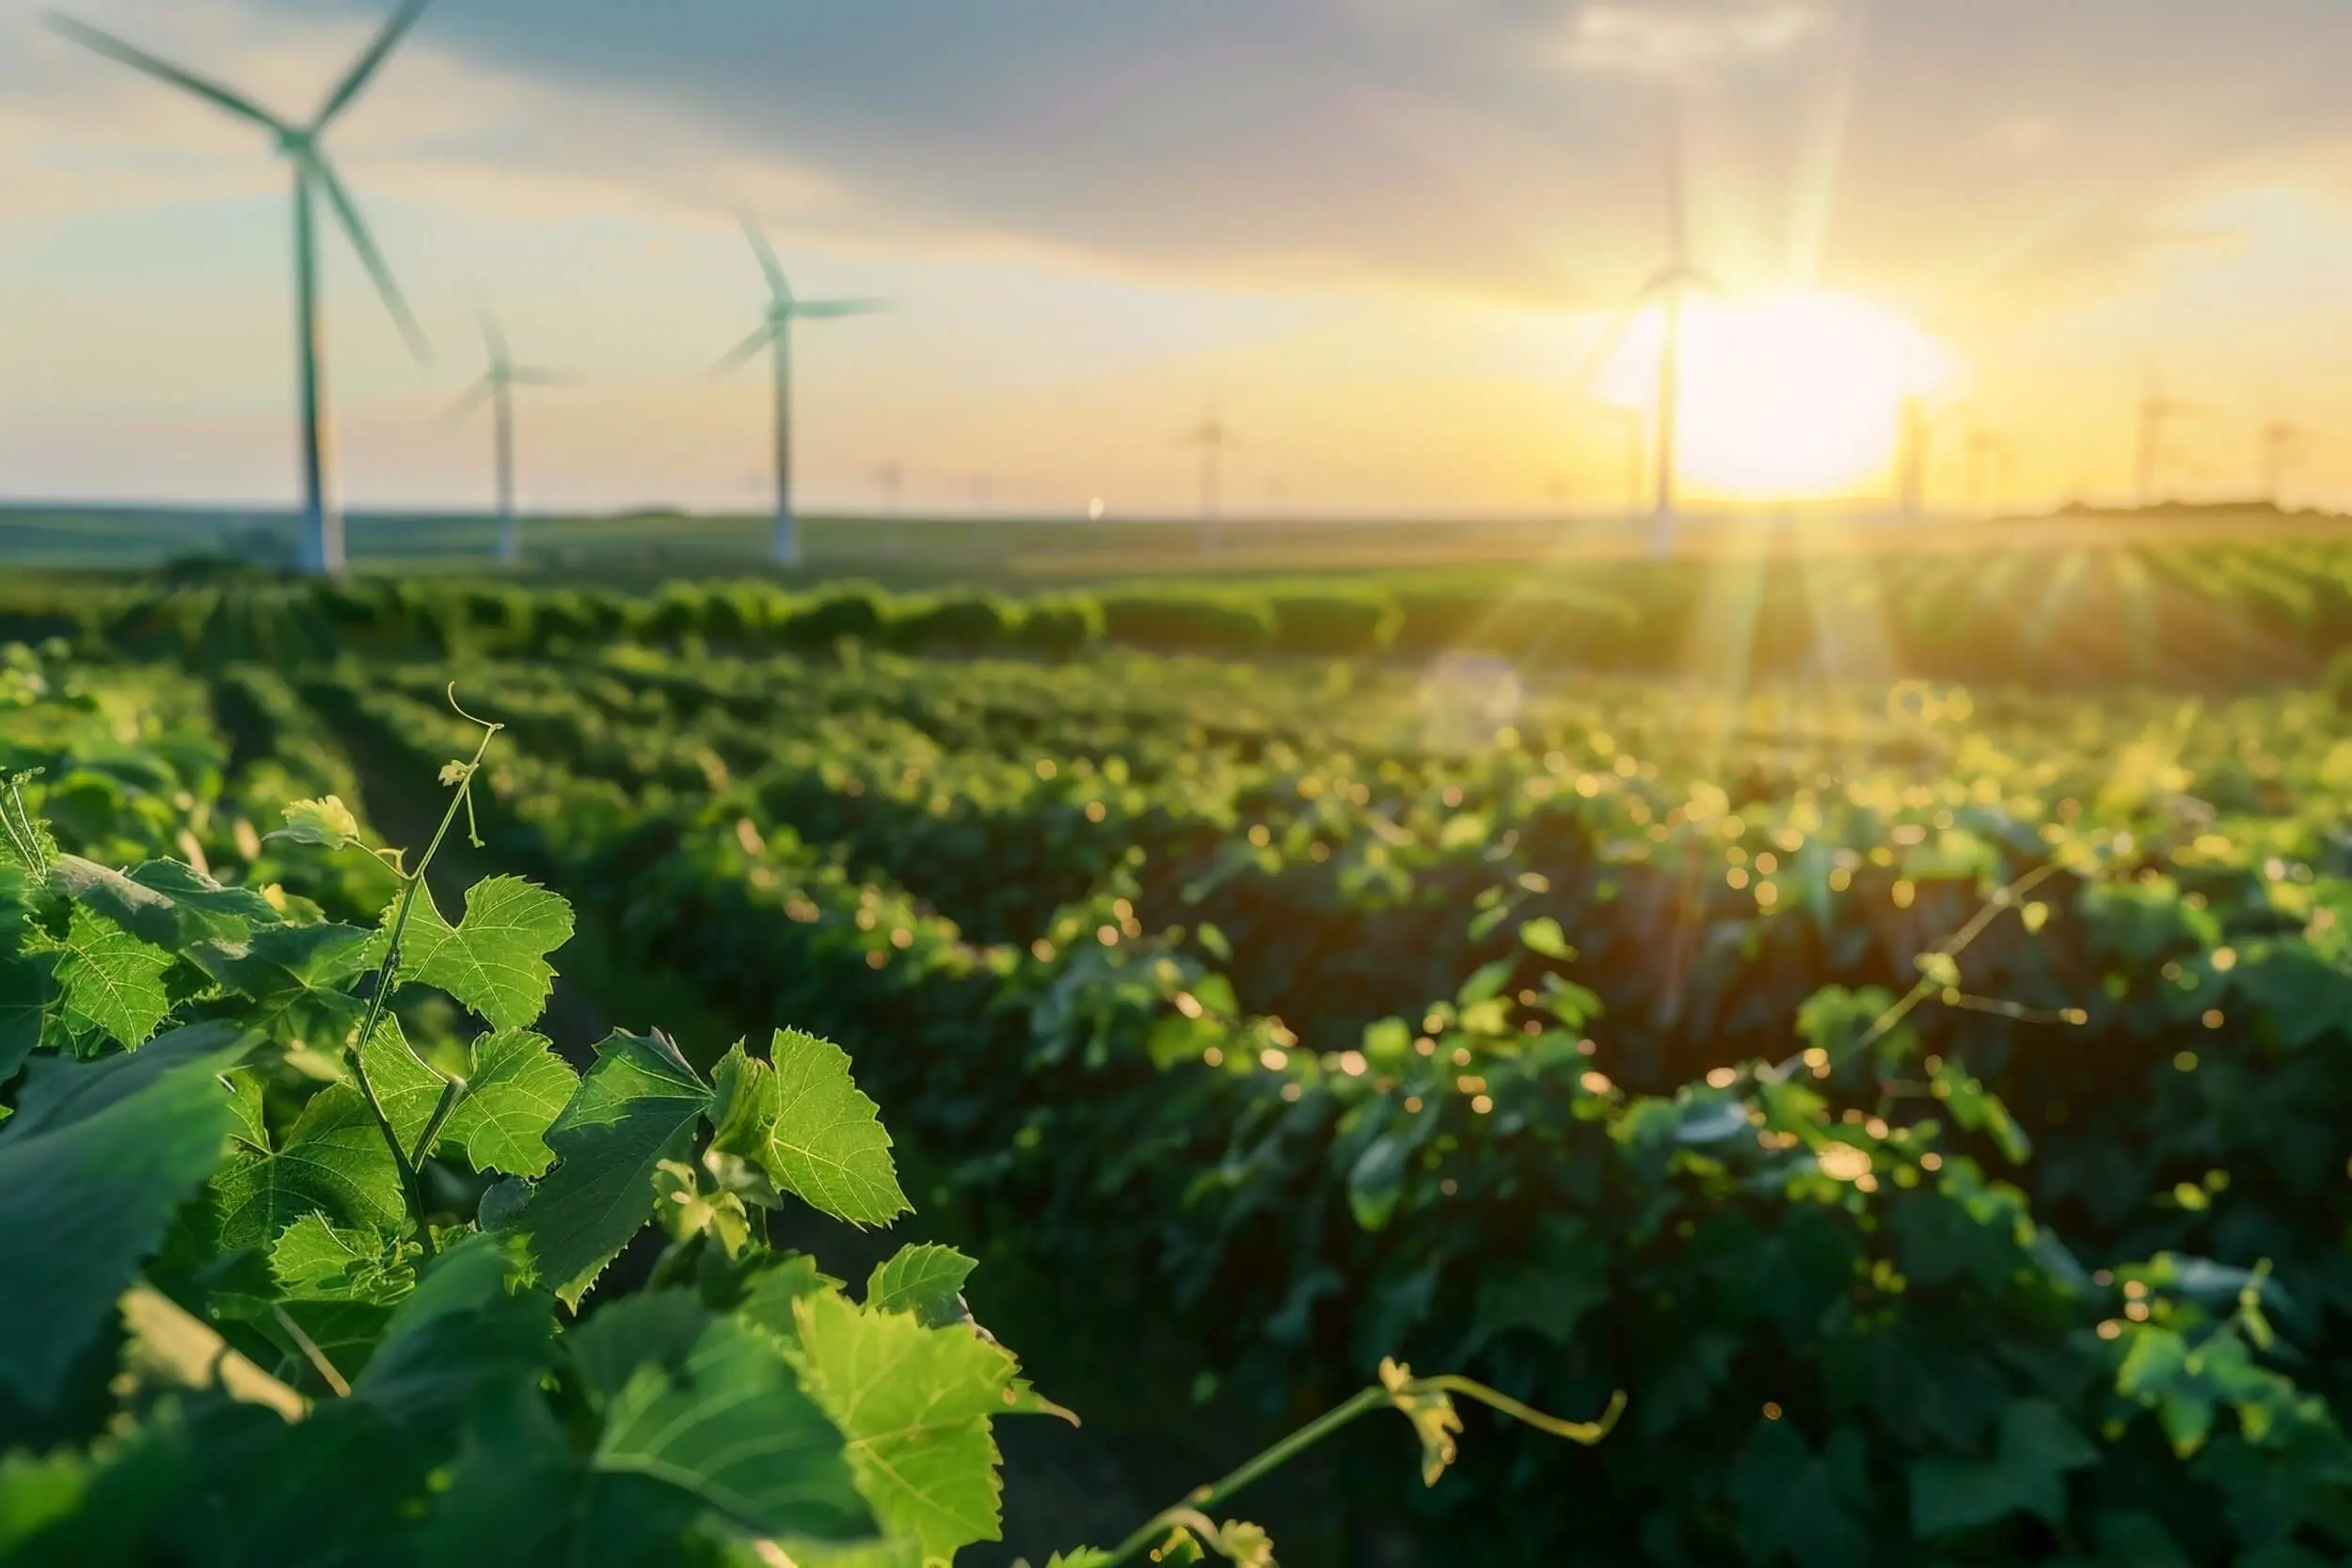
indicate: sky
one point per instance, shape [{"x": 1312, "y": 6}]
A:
[{"x": 1379, "y": 238}]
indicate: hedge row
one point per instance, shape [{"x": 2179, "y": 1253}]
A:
[{"x": 2225, "y": 615}]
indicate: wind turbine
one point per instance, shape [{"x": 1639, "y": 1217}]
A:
[
  {"x": 1212, "y": 436},
  {"x": 1667, "y": 286},
  {"x": 2282, "y": 442},
  {"x": 2156, "y": 414},
  {"x": 1914, "y": 441},
  {"x": 497, "y": 387},
  {"x": 1988, "y": 470},
  {"x": 319, "y": 549},
  {"x": 775, "y": 333}
]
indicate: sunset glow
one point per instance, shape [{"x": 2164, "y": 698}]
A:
[{"x": 1792, "y": 396}]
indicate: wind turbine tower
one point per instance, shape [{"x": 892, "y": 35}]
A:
[
  {"x": 1212, "y": 436},
  {"x": 497, "y": 388},
  {"x": 319, "y": 546},
  {"x": 1913, "y": 445},
  {"x": 1988, "y": 471},
  {"x": 775, "y": 334},
  {"x": 1668, "y": 286},
  {"x": 2158, "y": 414},
  {"x": 2282, "y": 443}
]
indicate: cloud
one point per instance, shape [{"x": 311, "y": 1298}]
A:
[{"x": 1674, "y": 38}]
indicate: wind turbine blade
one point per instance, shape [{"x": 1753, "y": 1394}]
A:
[
  {"x": 819, "y": 310},
  {"x": 471, "y": 399},
  {"x": 1596, "y": 358},
  {"x": 357, "y": 231},
  {"x": 767, "y": 254},
  {"x": 535, "y": 376},
  {"x": 364, "y": 67},
  {"x": 735, "y": 358},
  {"x": 139, "y": 59},
  {"x": 493, "y": 340}
]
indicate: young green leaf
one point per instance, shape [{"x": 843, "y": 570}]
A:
[
  {"x": 637, "y": 1107},
  {"x": 313, "y": 1261},
  {"x": 915, "y": 1404},
  {"x": 802, "y": 1121},
  {"x": 494, "y": 959},
  {"x": 518, "y": 1087},
  {"x": 1543, "y": 935},
  {"x": 926, "y": 1279},
  {"x": 327, "y": 823}
]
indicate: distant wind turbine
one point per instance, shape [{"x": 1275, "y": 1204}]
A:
[
  {"x": 1988, "y": 470},
  {"x": 2282, "y": 443},
  {"x": 1211, "y": 435},
  {"x": 1667, "y": 286},
  {"x": 319, "y": 549},
  {"x": 1915, "y": 446},
  {"x": 775, "y": 333},
  {"x": 497, "y": 388},
  {"x": 2157, "y": 413}
]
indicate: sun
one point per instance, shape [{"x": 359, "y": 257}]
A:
[{"x": 1784, "y": 397}]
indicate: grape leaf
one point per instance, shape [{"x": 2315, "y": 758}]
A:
[
  {"x": 98, "y": 1160},
  {"x": 768, "y": 1303},
  {"x": 406, "y": 1088},
  {"x": 26, "y": 987},
  {"x": 802, "y": 1121},
  {"x": 2036, "y": 1445},
  {"x": 312, "y": 1261},
  {"x": 164, "y": 902},
  {"x": 519, "y": 1087},
  {"x": 334, "y": 1162},
  {"x": 518, "y": 1482},
  {"x": 926, "y": 1279},
  {"x": 636, "y": 1108},
  {"x": 110, "y": 981},
  {"x": 732, "y": 1426},
  {"x": 293, "y": 972},
  {"x": 327, "y": 823},
  {"x": 914, "y": 1403},
  {"x": 621, "y": 1335},
  {"x": 465, "y": 1332},
  {"x": 494, "y": 959}
]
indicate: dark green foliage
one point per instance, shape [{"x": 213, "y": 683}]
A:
[
  {"x": 964, "y": 623},
  {"x": 1057, "y": 629},
  {"x": 855, "y": 612},
  {"x": 1196, "y": 623},
  {"x": 1331, "y": 624}
]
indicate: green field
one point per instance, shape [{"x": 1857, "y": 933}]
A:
[{"x": 1876, "y": 1011}]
